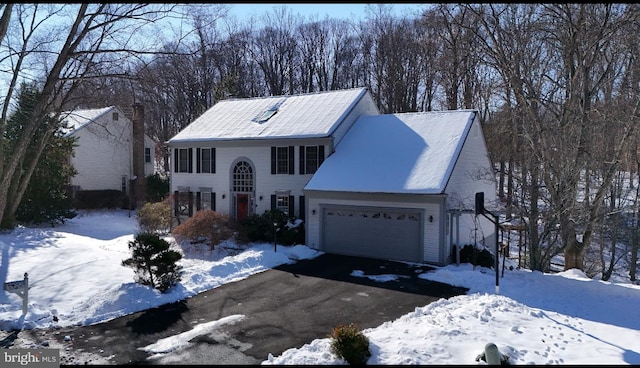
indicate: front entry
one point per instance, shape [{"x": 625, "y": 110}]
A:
[
  {"x": 243, "y": 190},
  {"x": 242, "y": 206}
]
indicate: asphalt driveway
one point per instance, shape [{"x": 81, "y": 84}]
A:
[{"x": 284, "y": 307}]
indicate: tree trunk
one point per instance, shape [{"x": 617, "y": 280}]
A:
[{"x": 573, "y": 249}]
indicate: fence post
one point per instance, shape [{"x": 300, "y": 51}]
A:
[{"x": 25, "y": 293}]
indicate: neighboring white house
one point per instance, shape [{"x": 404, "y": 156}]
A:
[
  {"x": 398, "y": 186},
  {"x": 104, "y": 156}
]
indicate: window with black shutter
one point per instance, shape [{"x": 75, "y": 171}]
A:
[
  {"x": 206, "y": 160},
  {"x": 310, "y": 158},
  {"x": 282, "y": 160},
  {"x": 183, "y": 160}
]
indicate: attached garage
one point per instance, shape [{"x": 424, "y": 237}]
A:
[
  {"x": 387, "y": 233},
  {"x": 390, "y": 188}
]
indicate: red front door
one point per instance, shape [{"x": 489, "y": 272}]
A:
[{"x": 242, "y": 206}]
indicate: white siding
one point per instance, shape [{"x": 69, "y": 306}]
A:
[
  {"x": 472, "y": 173},
  {"x": 432, "y": 234},
  {"x": 103, "y": 154},
  {"x": 265, "y": 183},
  {"x": 150, "y": 167}
]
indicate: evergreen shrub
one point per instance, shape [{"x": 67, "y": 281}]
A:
[
  {"x": 350, "y": 344},
  {"x": 154, "y": 263},
  {"x": 157, "y": 187},
  {"x": 477, "y": 257},
  {"x": 260, "y": 228}
]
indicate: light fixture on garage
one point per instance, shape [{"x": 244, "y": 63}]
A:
[
  {"x": 313, "y": 212},
  {"x": 224, "y": 196},
  {"x": 430, "y": 218},
  {"x": 260, "y": 198}
]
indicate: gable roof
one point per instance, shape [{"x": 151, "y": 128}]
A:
[
  {"x": 78, "y": 119},
  {"x": 298, "y": 116},
  {"x": 396, "y": 153}
]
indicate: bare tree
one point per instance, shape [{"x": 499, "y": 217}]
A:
[
  {"x": 555, "y": 76},
  {"x": 396, "y": 60},
  {"x": 275, "y": 50},
  {"x": 459, "y": 56},
  {"x": 82, "y": 38}
]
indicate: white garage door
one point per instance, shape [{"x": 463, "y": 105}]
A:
[{"x": 387, "y": 233}]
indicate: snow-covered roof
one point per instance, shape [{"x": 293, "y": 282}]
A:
[
  {"x": 77, "y": 119},
  {"x": 396, "y": 153},
  {"x": 298, "y": 116}
]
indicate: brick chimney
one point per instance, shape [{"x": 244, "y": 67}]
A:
[{"x": 139, "y": 184}]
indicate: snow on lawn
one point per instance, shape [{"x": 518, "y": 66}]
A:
[{"x": 565, "y": 318}]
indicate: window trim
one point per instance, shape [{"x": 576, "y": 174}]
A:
[
  {"x": 147, "y": 155},
  {"x": 276, "y": 166},
  {"x": 200, "y": 165},
  {"x": 304, "y": 158},
  {"x": 178, "y": 154}
]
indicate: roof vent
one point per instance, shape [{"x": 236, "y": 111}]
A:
[{"x": 266, "y": 115}]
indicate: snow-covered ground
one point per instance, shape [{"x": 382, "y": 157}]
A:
[{"x": 75, "y": 278}]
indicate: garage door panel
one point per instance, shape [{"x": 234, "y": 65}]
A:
[{"x": 388, "y": 233}]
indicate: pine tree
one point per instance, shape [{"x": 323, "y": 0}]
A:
[
  {"x": 45, "y": 198},
  {"x": 154, "y": 263}
]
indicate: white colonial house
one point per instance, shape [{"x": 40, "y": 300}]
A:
[
  {"x": 106, "y": 152},
  {"x": 393, "y": 186}
]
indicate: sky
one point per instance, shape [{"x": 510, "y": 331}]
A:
[
  {"x": 534, "y": 318},
  {"x": 341, "y": 11}
]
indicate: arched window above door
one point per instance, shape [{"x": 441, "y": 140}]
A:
[{"x": 243, "y": 177}]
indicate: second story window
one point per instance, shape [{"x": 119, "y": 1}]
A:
[
  {"x": 310, "y": 158},
  {"x": 282, "y": 160},
  {"x": 183, "y": 160},
  {"x": 206, "y": 160}
]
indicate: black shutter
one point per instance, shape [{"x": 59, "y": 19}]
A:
[
  {"x": 198, "y": 156},
  {"x": 273, "y": 160},
  {"x": 190, "y": 160},
  {"x": 292, "y": 205},
  {"x": 175, "y": 160},
  {"x": 273, "y": 202},
  {"x": 301, "y": 208},
  {"x": 213, "y": 201},
  {"x": 292, "y": 152},
  {"x": 302, "y": 162},
  {"x": 198, "y": 200},
  {"x": 190, "y": 201},
  {"x": 213, "y": 160},
  {"x": 320, "y": 155},
  {"x": 176, "y": 202}
]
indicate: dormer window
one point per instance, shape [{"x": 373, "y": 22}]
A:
[
  {"x": 115, "y": 116},
  {"x": 266, "y": 115}
]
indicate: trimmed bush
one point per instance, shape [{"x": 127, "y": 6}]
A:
[
  {"x": 350, "y": 344},
  {"x": 257, "y": 228},
  {"x": 155, "y": 217},
  {"x": 204, "y": 226},
  {"x": 154, "y": 263}
]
